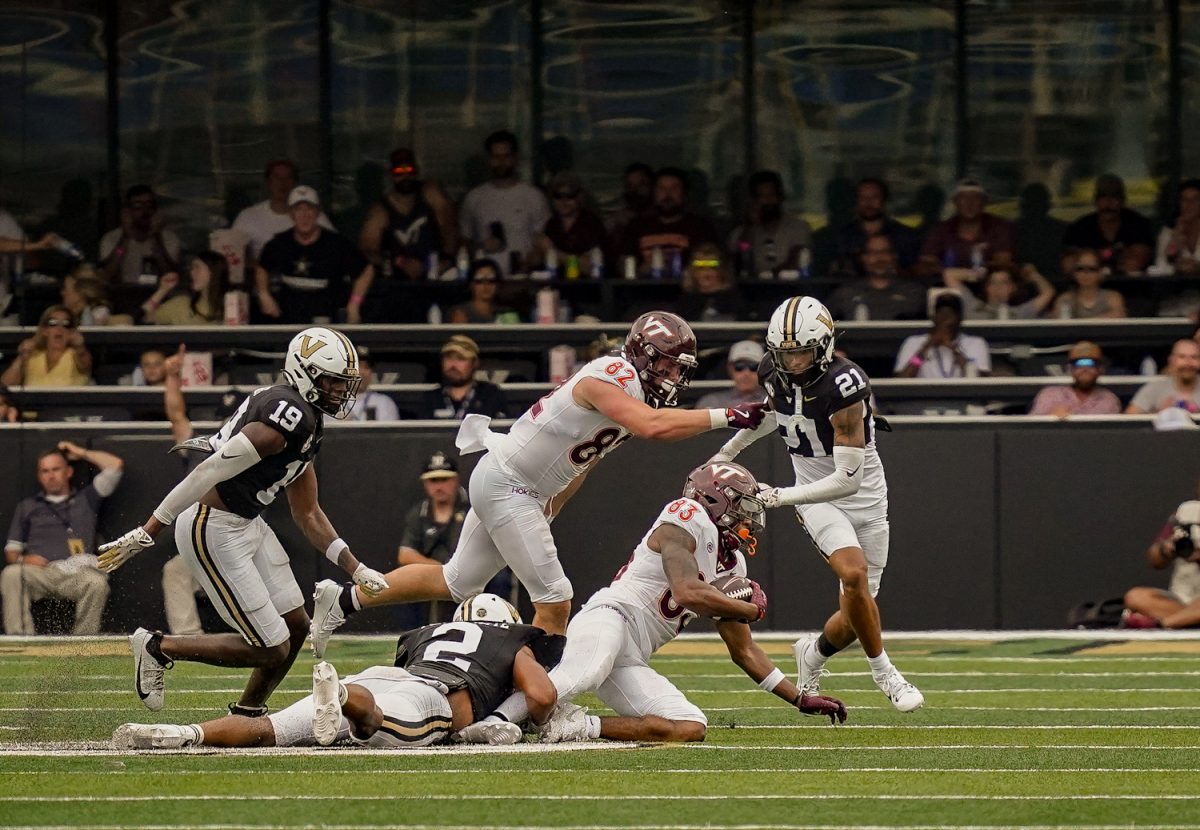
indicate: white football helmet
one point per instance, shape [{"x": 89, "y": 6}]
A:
[
  {"x": 801, "y": 326},
  {"x": 323, "y": 366},
  {"x": 486, "y": 608}
]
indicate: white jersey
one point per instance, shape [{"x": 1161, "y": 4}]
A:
[
  {"x": 557, "y": 439},
  {"x": 640, "y": 590}
]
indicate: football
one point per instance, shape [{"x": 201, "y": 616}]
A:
[{"x": 734, "y": 586}]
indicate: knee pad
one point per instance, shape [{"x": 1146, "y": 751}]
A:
[{"x": 557, "y": 590}]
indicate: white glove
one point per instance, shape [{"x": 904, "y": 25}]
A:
[
  {"x": 721, "y": 457},
  {"x": 372, "y": 582},
  {"x": 768, "y": 495},
  {"x": 116, "y": 553}
]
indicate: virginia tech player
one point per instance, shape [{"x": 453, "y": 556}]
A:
[
  {"x": 529, "y": 472},
  {"x": 822, "y": 406},
  {"x": 267, "y": 445}
]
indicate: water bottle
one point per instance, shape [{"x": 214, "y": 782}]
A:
[
  {"x": 1004, "y": 312},
  {"x": 805, "y": 262},
  {"x": 769, "y": 257},
  {"x": 861, "y": 312},
  {"x": 977, "y": 257},
  {"x": 433, "y": 266},
  {"x": 656, "y": 263},
  {"x": 949, "y": 259},
  {"x": 552, "y": 262},
  {"x": 1148, "y": 366},
  {"x": 67, "y": 248},
  {"x": 677, "y": 264},
  {"x": 629, "y": 265},
  {"x": 572, "y": 271},
  {"x": 463, "y": 262},
  {"x": 597, "y": 258},
  {"x": 434, "y": 316}
]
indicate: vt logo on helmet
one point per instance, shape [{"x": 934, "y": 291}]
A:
[
  {"x": 800, "y": 338},
  {"x": 662, "y": 347},
  {"x": 728, "y": 492},
  {"x": 322, "y": 365}
]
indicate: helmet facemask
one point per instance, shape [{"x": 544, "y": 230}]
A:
[
  {"x": 790, "y": 361},
  {"x": 665, "y": 376},
  {"x": 328, "y": 393}
]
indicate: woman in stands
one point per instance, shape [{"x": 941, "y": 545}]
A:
[
  {"x": 485, "y": 278},
  {"x": 55, "y": 356},
  {"x": 203, "y": 304},
  {"x": 1002, "y": 294},
  {"x": 708, "y": 291},
  {"x": 1087, "y": 299}
]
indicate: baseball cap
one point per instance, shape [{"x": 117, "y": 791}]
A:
[
  {"x": 745, "y": 350},
  {"x": 462, "y": 345},
  {"x": 969, "y": 185},
  {"x": 303, "y": 193},
  {"x": 403, "y": 156},
  {"x": 1085, "y": 348},
  {"x": 439, "y": 465},
  {"x": 1109, "y": 184}
]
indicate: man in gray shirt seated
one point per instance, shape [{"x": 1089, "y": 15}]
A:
[
  {"x": 880, "y": 295},
  {"x": 503, "y": 217},
  {"x": 52, "y": 541},
  {"x": 1179, "y": 386},
  {"x": 742, "y": 366}
]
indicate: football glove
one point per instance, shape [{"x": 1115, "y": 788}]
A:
[
  {"x": 759, "y": 598},
  {"x": 116, "y": 553},
  {"x": 746, "y": 415},
  {"x": 769, "y": 496},
  {"x": 372, "y": 582},
  {"x": 821, "y": 705}
]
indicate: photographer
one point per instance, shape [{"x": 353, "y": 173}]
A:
[{"x": 1179, "y": 605}]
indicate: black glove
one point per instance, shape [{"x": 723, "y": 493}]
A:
[
  {"x": 746, "y": 415},
  {"x": 821, "y": 705}
]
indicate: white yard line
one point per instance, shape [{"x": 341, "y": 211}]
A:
[{"x": 607, "y": 797}]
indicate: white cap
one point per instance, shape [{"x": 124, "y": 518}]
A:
[
  {"x": 745, "y": 350},
  {"x": 303, "y": 193}
]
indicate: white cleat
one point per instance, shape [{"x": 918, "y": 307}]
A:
[
  {"x": 147, "y": 670},
  {"x": 903, "y": 695},
  {"x": 495, "y": 732},
  {"x": 568, "y": 723},
  {"x": 327, "y": 703},
  {"x": 153, "y": 736},
  {"x": 809, "y": 675},
  {"x": 327, "y": 615}
]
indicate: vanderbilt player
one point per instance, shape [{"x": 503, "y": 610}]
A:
[
  {"x": 822, "y": 406},
  {"x": 266, "y": 446},
  {"x": 530, "y": 472},
  {"x": 666, "y": 583},
  {"x": 443, "y": 675}
]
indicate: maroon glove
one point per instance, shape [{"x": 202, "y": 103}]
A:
[
  {"x": 746, "y": 415},
  {"x": 759, "y": 598},
  {"x": 821, "y": 705}
]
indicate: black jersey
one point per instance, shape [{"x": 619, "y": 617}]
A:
[
  {"x": 477, "y": 656},
  {"x": 803, "y": 413},
  {"x": 283, "y": 409}
]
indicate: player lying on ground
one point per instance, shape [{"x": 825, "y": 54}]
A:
[
  {"x": 696, "y": 543},
  {"x": 443, "y": 675},
  {"x": 267, "y": 445},
  {"x": 529, "y": 472},
  {"x": 822, "y": 409}
]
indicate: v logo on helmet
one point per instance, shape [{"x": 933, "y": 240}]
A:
[
  {"x": 824, "y": 318},
  {"x": 655, "y": 326},
  {"x": 309, "y": 346}
]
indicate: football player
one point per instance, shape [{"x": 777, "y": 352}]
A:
[
  {"x": 267, "y": 445},
  {"x": 822, "y": 406},
  {"x": 443, "y": 674},
  {"x": 668, "y": 581},
  {"x": 530, "y": 472}
]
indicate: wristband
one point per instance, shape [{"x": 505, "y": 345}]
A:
[
  {"x": 335, "y": 549},
  {"x": 772, "y": 680},
  {"x": 717, "y": 418},
  {"x": 355, "y": 299},
  {"x": 916, "y": 361}
]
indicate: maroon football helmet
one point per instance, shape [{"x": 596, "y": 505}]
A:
[
  {"x": 662, "y": 347},
  {"x": 728, "y": 492}
]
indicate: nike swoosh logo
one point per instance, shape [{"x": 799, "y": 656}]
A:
[
  {"x": 855, "y": 470},
  {"x": 807, "y": 399},
  {"x": 223, "y": 455}
]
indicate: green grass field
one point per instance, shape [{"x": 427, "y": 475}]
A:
[{"x": 1044, "y": 733}]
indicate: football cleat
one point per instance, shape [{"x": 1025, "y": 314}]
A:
[
  {"x": 147, "y": 670},
  {"x": 153, "y": 736},
  {"x": 568, "y": 723},
  {"x": 903, "y": 695},
  {"x": 328, "y": 695},
  {"x": 327, "y": 615},
  {"x": 490, "y": 731},
  {"x": 809, "y": 677}
]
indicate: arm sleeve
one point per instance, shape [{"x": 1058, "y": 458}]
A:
[
  {"x": 237, "y": 456},
  {"x": 745, "y": 437},
  {"x": 844, "y": 481}
]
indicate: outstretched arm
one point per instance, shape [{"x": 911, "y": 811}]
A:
[
  {"x": 742, "y": 439},
  {"x": 660, "y": 424},
  {"x": 849, "y": 455}
]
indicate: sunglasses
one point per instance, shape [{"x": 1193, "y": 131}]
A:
[
  {"x": 562, "y": 196},
  {"x": 484, "y": 279},
  {"x": 745, "y": 366},
  {"x": 1087, "y": 268},
  {"x": 58, "y": 323},
  {"x": 404, "y": 170},
  {"x": 706, "y": 263},
  {"x": 1085, "y": 363}
]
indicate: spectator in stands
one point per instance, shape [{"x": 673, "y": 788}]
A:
[
  {"x": 151, "y": 369},
  {"x": 1087, "y": 299},
  {"x": 1178, "y": 545},
  {"x": 1178, "y": 387},
  {"x": 1002, "y": 291},
  {"x": 485, "y": 279},
  {"x": 10, "y": 412},
  {"x": 572, "y": 231},
  {"x": 839, "y": 210},
  {"x": 504, "y": 216},
  {"x": 460, "y": 394},
  {"x": 880, "y": 294},
  {"x": 370, "y": 405},
  {"x": 432, "y": 526},
  {"x": 13, "y": 240},
  {"x": 86, "y": 296},
  {"x": 667, "y": 233},
  {"x": 1084, "y": 396},
  {"x": 1123, "y": 237},
  {"x": 410, "y": 224},
  {"x": 871, "y": 218},
  {"x": 262, "y": 221},
  {"x": 772, "y": 239},
  {"x": 1179, "y": 244},
  {"x": 638, "y": 184},
  {"x": 203, "y": 304},
  {"x": 708, "y": 293},
  {"x": 742, "y": 367},
  {"x": 970, "y": 240},
  {"x": 319, "y": 271},
  {"x": 55, "y": 356},
  {"x": 1038, "y": 234},
  {"x": 50, "y": 550},
  {"x": 945, "y": 352},
  {"x": 140, "y": 249}
]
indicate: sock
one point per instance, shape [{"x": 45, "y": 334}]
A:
[
  {"x": 514, "y": 708},
  {"x": 343, "y": 693},
  {"x": 825, "y": 648},
  {"x": 154, "y": 646},
  {"x": 198, "y": 740},
  {"x": 880, "y": 665},
  {"x": 593, "y": 727},
  {"x": 348, "y": 602}
]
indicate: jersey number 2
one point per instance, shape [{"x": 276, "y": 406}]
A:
[{"x": 471, "y": 635}]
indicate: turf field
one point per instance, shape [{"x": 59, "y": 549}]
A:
[{"x": 1048, "y": 733}]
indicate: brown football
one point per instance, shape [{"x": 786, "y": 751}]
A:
[{"x": 734, "y": 586}]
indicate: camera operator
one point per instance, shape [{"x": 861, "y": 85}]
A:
[{"x": 1179, "y": 605}]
